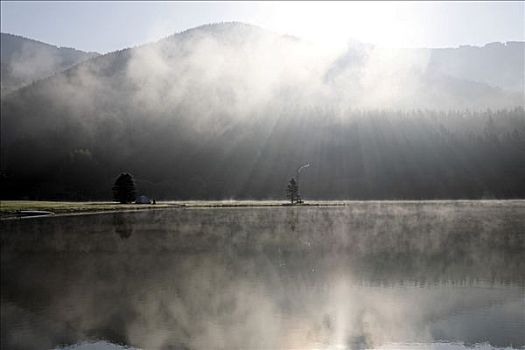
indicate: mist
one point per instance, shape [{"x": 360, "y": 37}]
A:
[
  {"x": 24, "y": 61},
  {"x": 240, "y": 70}
]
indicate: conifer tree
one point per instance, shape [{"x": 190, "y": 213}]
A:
[
  {"x": 292, "y": 191},
  {"x": 124, "y": 190}
]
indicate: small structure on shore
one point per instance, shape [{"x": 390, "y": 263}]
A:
[{"x": 143, "y": 200}]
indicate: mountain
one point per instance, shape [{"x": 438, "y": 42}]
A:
[
  {"x": 465, "y": 77},
  {"x": 496, "y": 64},
  {"x": 25, "y": 60},
  {"x": 230, "y": 110}
]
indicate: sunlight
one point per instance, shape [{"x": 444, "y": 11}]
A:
[{"x": 335, "y": 24}]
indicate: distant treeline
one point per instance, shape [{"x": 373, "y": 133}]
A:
[{"x": 354, "y": 155}]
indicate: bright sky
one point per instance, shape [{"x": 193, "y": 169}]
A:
[{"x": 107, "y": 26}]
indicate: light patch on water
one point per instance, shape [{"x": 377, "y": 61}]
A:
[
  {"x": 438, "y": 346},
  {"x": 421, "y": 346},
  {"x": 98, "y": 345},
  {"x": 103, "y": 345}
]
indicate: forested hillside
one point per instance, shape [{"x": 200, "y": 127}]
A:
[
  {"x": 421, "y": 154},
  {"x": 230, "y": 111}
]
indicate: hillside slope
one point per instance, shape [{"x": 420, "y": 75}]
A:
[{"x": 230, "y": 110}]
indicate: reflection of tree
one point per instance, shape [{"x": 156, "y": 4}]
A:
[
  {"x": 123, "y": 227},
  {"x": 292, "y": 218}
]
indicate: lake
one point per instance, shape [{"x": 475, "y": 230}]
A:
[{"x": 368, "y": 275}]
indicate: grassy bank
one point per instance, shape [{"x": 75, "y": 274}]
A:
[{"x": 10, "y": 208}]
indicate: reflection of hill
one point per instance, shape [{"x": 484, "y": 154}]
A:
[{"x": 215, "y": 300}]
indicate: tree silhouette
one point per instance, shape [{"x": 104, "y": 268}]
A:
[
  {"x": 124, "y": 190},
  {"x": 292, "y": 190}
]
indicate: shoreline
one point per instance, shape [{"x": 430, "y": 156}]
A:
[{"x": 10, "y": 210}]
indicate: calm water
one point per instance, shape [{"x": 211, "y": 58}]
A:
[{"x": 442, "y": 275}]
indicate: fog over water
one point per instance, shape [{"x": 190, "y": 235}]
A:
[{"x": 367, "y": 275}]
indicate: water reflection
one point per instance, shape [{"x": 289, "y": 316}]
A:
[
  {"x": 123, "y": 227},
  {"x": 368, "y": 276},
  {"x": 292, "y": 216}
]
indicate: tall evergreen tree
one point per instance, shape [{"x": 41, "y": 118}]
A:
[
  {"x": 124, "y": 190},
  {"x": 292, "y": 191}
]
